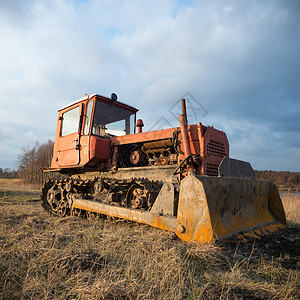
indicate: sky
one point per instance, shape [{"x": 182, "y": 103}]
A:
[{"x": 236, "y": 62}]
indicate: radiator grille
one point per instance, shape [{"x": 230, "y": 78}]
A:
[
  {"x": 216, "y": 148},
  {"x": 211, "y": 169}
]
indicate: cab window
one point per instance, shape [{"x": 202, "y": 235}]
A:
[
  {"x": 70, "y": 121},
  {"x": 110, "y": 120},
  {"x": 88, "y": 116}
]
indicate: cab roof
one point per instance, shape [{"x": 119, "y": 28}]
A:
[{"x": 102, "y": 99}]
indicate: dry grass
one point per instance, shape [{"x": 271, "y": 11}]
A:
[
  {"x": 291, "y": 204},
  {"x": 18, "y": 184},
  {"x": 45, "y": 257}
]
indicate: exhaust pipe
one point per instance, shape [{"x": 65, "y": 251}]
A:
[{"x": 185, "y": 137}]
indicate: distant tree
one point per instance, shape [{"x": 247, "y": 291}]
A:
[
  {"x": 293, "y": 178},
  {"x": 31, "y": 160},
  {"x": 8, "y": 173},
  {"x": 280, "y": 178},
  {"x": 44, "y": 154},
  {"x": 44, "y": 158}
]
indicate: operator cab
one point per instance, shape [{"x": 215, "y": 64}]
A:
[{"x": 84, "y": 129}]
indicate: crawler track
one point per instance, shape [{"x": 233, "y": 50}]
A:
[{"x": 138, "y": 193}]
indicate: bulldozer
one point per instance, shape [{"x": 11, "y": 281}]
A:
[{"x": 178, "y": 179}]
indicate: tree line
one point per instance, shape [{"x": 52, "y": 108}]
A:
[
  {"x": 32, "y": 160},
  {"x": 8, "y": 173},
  {"x": 279, "y": 178}
]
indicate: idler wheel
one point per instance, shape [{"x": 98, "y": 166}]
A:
[
  {"x": 136, "y": 197},
  {"x": 53, "y": 198},
  {"x": 61, "y": 208}
]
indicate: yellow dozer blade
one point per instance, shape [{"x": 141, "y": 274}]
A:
[
  {"x": 217, "y": 208},
  {"x": 208, "y": 209}
]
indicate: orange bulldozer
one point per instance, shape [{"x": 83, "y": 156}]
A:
[{"x": 179, "y": 179}]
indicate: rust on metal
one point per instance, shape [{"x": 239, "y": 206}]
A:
[
  {"x": 140, "y": 125},
  {"x": 214, "y": 208},
  {"x": 116, "y": 172},
  {"x": 141, "y": 216},
  {"x": 185, "y": 137},
  {"x": 183, "y": 107}
]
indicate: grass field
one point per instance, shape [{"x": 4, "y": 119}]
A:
[{"x": 45, "y": 257}]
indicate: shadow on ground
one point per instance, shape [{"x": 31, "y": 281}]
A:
[{"x": 281, "y": 246}]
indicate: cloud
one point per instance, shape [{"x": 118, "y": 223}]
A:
[
  {"x": 239, "y": 59},
  {"x": 16, "y": 13}
]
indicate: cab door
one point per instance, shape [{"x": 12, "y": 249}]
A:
[{"x": 69, "y": 140}]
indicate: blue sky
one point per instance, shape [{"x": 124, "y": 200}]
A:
[{"x": 238, "y": 59}]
